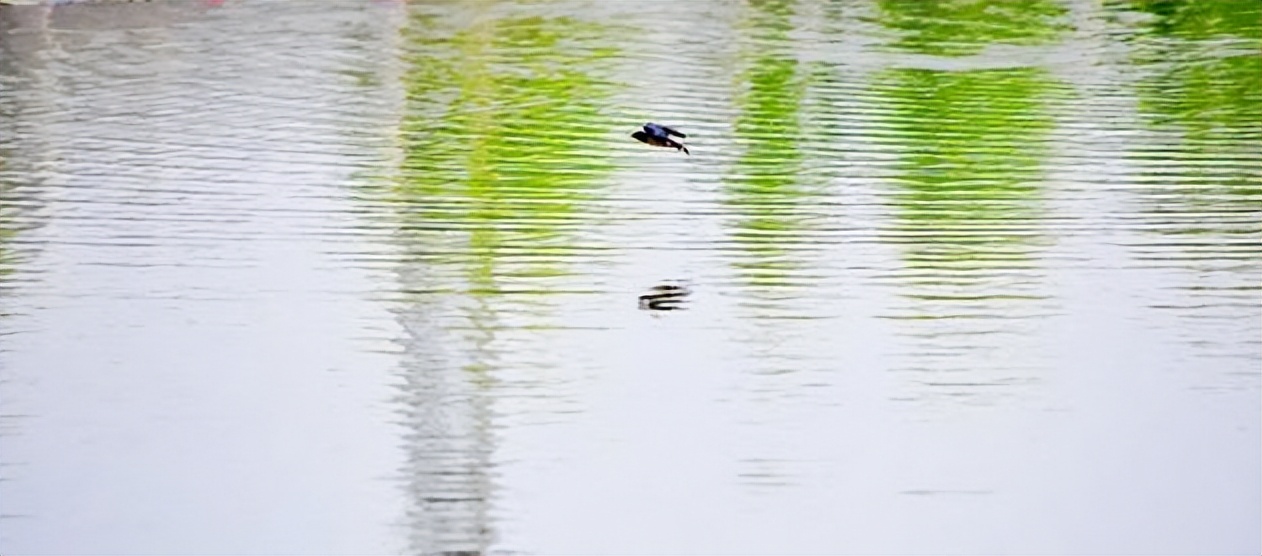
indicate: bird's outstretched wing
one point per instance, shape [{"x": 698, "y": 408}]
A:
[
  {"x": 673, "y": 132},
  {"x": 661, "y": 130}
]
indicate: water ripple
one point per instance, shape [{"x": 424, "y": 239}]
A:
[{"x": 984, "y": 237}]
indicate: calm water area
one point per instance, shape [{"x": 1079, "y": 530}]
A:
[{"x": 362, "y": 277}]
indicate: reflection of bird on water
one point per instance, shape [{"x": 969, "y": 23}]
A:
[
  {"x": 659, "y": 136},
  {"x": 665, "y": 297}
]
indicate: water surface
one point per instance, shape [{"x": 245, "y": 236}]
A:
[{"x": 964, "y": 278}]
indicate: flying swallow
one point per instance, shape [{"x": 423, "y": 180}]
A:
[{"x": 659, "y": 136}]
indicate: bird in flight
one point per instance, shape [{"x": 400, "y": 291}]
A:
[{"x": 659, "y": 136}]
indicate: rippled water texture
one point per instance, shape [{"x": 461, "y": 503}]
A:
[{"x": 943, "y": 277}]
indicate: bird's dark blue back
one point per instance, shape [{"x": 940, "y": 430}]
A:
[{"x": 661, "y": 131}]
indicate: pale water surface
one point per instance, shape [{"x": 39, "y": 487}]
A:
[{"x": 362, "y": 277}]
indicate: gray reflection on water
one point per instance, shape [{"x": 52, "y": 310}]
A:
[
  {"x": 194, "y": 366},
  {"x": 450, "y": 439}
]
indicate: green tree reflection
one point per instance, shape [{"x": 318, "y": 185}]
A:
[
  {"x": 1214, "y": 90},
  {"x": 959, "y": 27},
  {"x": 502, "y": 139},
  {"x": 972, "y": 140},
  {"x": 973, "y": 147},
  {"x": 763, "y": 187},
  {"x": 1199, "y": 19},
  {"x": 1206, "y": 86}
]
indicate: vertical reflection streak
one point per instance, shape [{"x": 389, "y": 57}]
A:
[{"x": 501, "y": 143}]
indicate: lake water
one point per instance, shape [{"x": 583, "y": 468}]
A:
[{"x": 363, "y": 277}]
